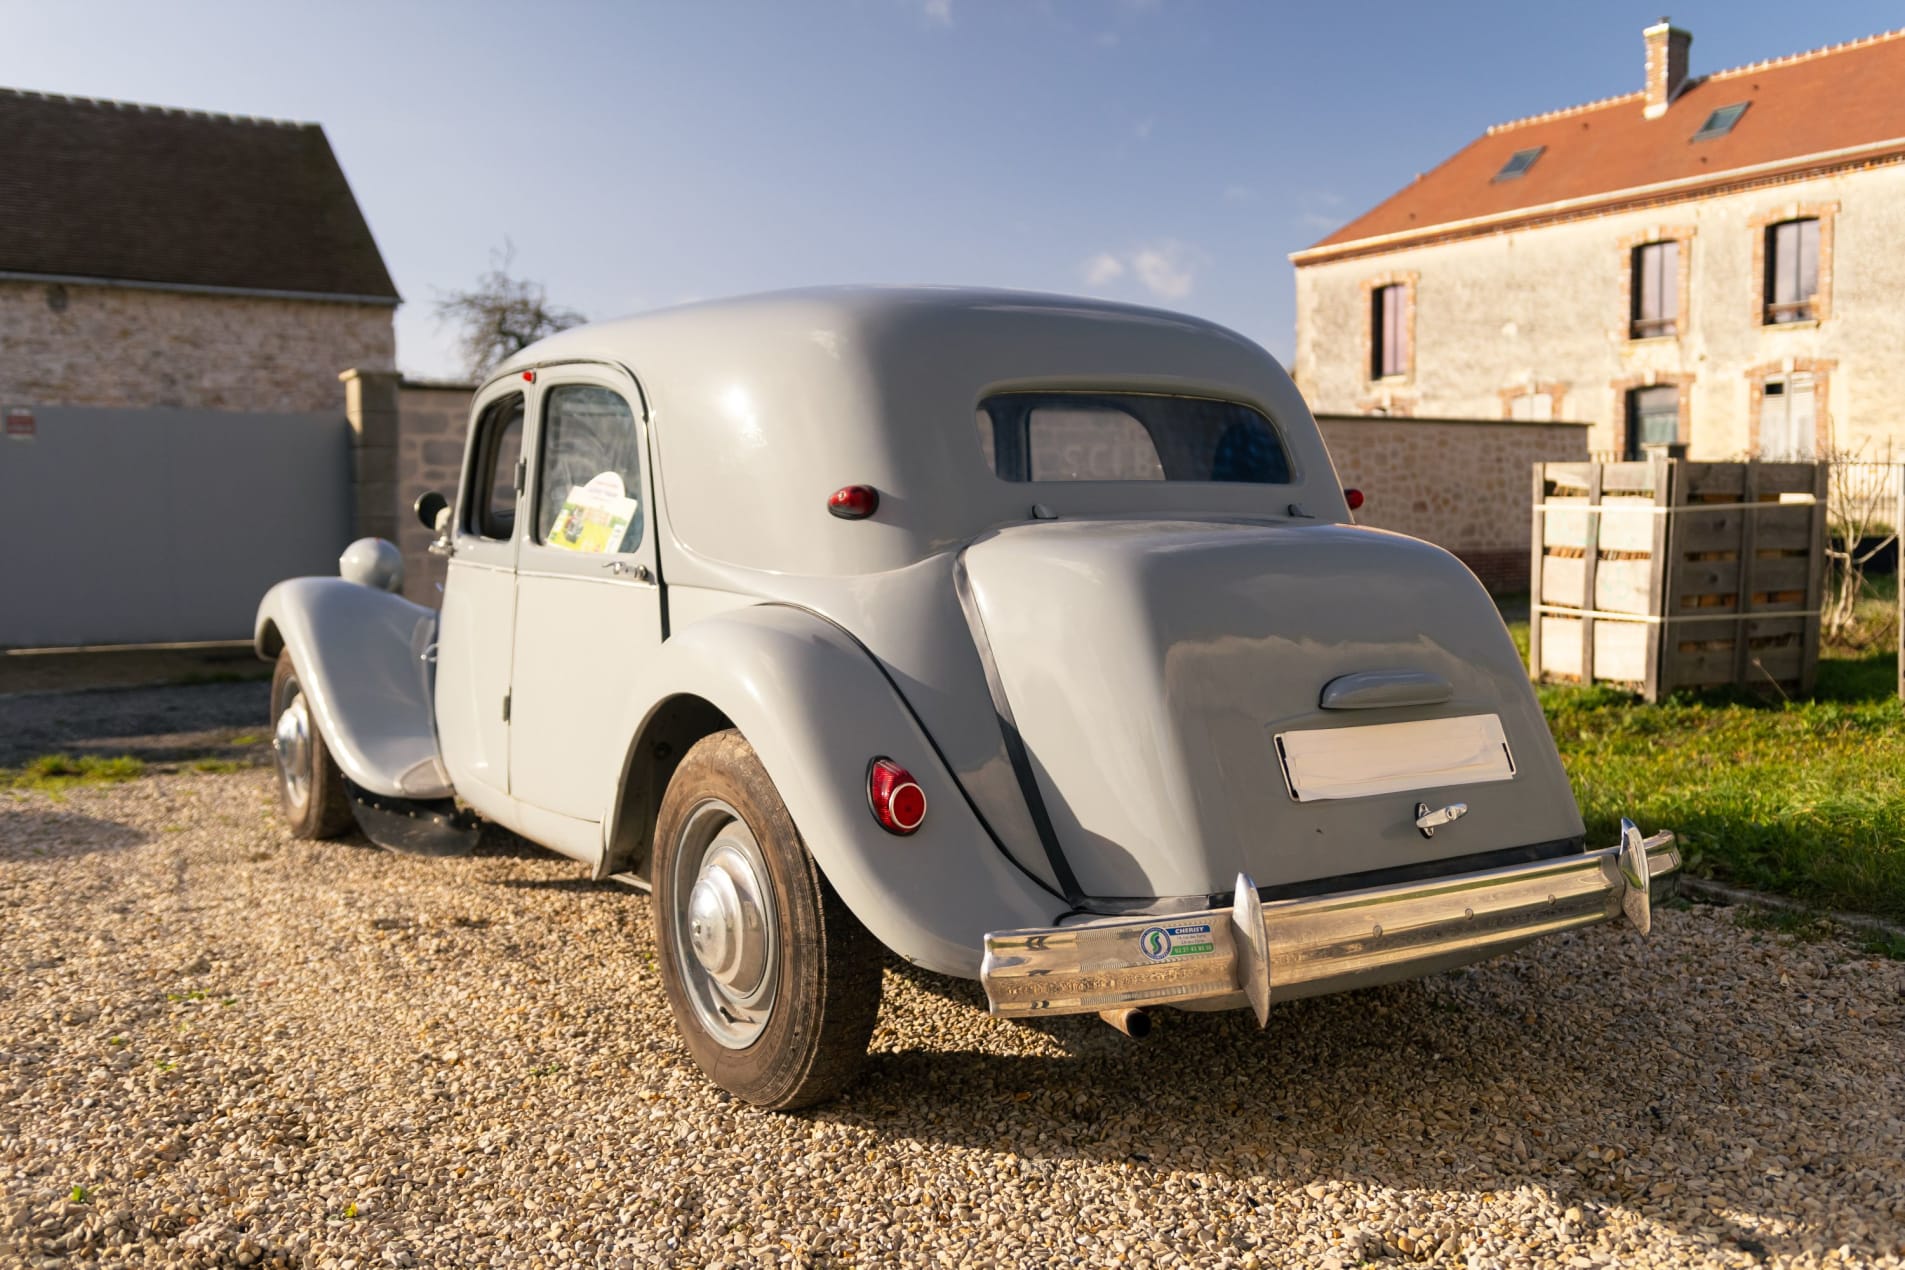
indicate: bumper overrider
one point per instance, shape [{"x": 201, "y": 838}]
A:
[{"x": 1320, "y": 944}]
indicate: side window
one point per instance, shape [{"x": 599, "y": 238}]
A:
[
  {"x": 589, "y": 487},
  {"x": 492, "y": 490}
]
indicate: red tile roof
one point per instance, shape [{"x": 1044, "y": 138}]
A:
[
  {"x": 1847, "y": 98},
  {"x": 104, "y": 189}
]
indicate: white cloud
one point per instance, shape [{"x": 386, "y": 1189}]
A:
[
  {"x": 1167, "y": 269},
  {"x": 1142, "y": 131},
  {"x": 1239, "y": 194},
  {"x": 939, "y": 11},
  {"x": 1103, "y": 268}
]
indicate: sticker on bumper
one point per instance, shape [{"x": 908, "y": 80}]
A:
[{"x": 1169, "y": 943}]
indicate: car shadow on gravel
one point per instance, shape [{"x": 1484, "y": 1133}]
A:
[
  {"x": 1446, "y": 1083},
  {"x": 50, "y": 833},
  {"x": 157, "y": 724}
]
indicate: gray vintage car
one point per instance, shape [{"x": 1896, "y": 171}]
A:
[{"x": 1027, "y": 637}]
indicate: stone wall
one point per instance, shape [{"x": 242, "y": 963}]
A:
[
  {"x": 434, "y": 423},
  {"x": 1465, "y": 485},
  {"x": 1546, "y": 309},
  {"x": 68, "y": 344}
]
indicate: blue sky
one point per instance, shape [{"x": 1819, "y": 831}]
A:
[{"x": 638, "y": 155}]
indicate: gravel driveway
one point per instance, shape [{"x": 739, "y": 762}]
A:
[{"x": 218, "y": 1046}]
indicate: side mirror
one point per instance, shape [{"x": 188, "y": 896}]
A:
[{"x": 430, "y": 505}]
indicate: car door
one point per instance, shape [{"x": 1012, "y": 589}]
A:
[
  {"x": 477, "y": 627},
  {"x": 588, "y": 603}
]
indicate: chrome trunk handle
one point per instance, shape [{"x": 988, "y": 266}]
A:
[{"x": 1429, "y": 821}]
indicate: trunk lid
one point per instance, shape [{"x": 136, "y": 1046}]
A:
[{"x": 1152, "y": 666}]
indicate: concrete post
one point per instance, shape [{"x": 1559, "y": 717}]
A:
[{"x": 370, "y": 404}]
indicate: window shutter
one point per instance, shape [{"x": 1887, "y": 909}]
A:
[{"x": 1668, "y": 284}]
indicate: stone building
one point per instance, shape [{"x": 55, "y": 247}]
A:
[
  {"x": 1715, "y": 260},
  {"x": 154, "y": 257}
]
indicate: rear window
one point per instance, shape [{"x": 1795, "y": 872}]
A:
[{"x": 1105, "y": 436}]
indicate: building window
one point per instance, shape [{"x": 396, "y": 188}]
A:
[
  {"x": 1789, "y": 418},
  {"x": 1653, "y": 418},
  {"x": 1792, "y": 271},
  {"x": 1721, "y": 121},
  {"x": 1388, "y": 332},
  {"x": 1655, "y": 291},
  {"x": 1519, "y": 162},
  {"x": 1532, "y": 407}
]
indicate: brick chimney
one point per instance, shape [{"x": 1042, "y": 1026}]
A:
[{"x": 1667, "y": 47}]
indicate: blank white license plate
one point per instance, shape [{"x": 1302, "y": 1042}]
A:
[{"x": 1390, "y": 758}]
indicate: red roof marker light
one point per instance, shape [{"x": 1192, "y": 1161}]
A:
[
  {"x": 898, "y": 803},
  {"x": 1354, "y": 497},
  {"x": 854, "y": 502}
]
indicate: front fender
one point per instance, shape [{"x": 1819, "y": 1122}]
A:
[
  {"x": 359, "y": 654},
  {"x": 816, "y": 708}
]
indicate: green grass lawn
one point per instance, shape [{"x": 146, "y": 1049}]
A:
[{"x": 1805, "y": 798}]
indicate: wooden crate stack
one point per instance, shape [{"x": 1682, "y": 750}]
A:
[{"x": 1670, "y": 573}]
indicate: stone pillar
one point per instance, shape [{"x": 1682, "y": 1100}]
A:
[{"x": 370, "y": 404}]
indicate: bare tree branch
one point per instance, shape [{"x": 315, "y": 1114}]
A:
[
  {"x": 1862, "y": 497},
  {"x": 502, "y": 315}
]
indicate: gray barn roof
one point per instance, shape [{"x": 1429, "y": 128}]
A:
[{"x": 106, "y": 190}]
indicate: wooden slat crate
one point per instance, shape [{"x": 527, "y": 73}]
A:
[{"x": 1671, "y": 573}]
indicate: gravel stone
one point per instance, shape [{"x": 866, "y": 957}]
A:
[{"x": 219, "y": 1046}]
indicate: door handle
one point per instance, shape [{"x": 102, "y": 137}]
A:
[{"x": 623, "y": 569}]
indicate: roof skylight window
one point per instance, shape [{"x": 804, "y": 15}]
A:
[
  {"x": 1518, "y": 163},
  {"x": 1721, "y": 121}
]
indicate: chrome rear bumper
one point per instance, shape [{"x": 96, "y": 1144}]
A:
[{"x": 1322, "y": 944}]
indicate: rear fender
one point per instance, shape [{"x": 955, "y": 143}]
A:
[
  {"x": 817, "y": 708},
  {"x": 360, "y": 659}
]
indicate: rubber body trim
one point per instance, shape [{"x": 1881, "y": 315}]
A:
[
  {"x": 933, "y": 744},
  {"x": 1014, "y": 743}
]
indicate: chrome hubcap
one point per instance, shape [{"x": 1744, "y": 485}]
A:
[
  {"x": 291, "y": 745},
  {"x": 724, "y": 926}
]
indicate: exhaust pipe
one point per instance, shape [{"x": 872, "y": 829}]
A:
[{"x": 1133, "y": 1020}]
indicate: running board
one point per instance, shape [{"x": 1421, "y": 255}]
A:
[
  {"x": 633, "y": 880},
  {"x": 414, "y": 826}
]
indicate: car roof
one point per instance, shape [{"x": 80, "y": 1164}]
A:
[
  {"x": 798, "y": 311},
  {"x": 761, "y": 407}
]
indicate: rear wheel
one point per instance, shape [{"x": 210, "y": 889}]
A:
[
  {"x": 309, "y": 784},
  {"x": 774, "y": 984}
]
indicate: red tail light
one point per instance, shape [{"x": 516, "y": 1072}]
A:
[
  {"x": 1354, "y": 497},
  {"x": 854, "y": 502},
  {"x": 898, "y": 803}
]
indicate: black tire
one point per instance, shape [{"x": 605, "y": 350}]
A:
[
  {"x": 821, "y": 972},
  {"x": 309, "y": 785}
]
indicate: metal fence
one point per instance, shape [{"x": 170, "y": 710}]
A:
[{"x": 161, "y": 526}]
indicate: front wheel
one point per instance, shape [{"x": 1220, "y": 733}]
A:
[
  {"x": 309, "y": 784},
  {"x": 774, "y": 984}
]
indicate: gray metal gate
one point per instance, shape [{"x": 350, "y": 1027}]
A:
[{"x": 161, "y": 526}]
